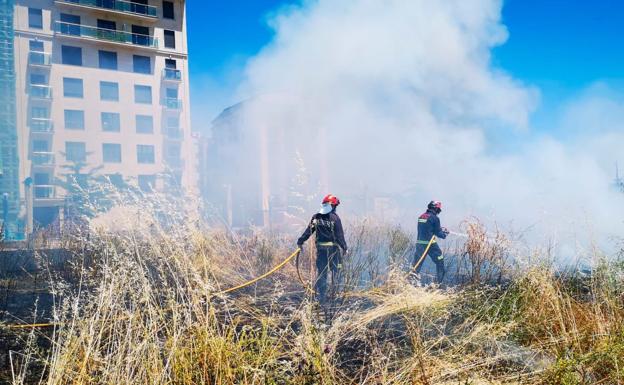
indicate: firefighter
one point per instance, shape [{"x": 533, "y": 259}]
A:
[
  {"x": 330, "y": 245},
  {"x": 429, "y": 229}
]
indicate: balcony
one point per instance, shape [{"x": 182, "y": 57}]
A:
[
  {"x": 39, "y": 59},
  {"x": 43, "y": 191},
  {"x": 41, "y": 125},
  {"x": 128, "y": 8},
  {"x": 43, "y": 159},
  {"x": 40, "y": 91},
  {"x": 173, "y": 104},
  {"x": 107, "y": 35},
  {"x": 172, "y": 75}
]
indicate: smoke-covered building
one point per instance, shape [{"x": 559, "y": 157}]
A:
[{"x": 254, "y": 173}]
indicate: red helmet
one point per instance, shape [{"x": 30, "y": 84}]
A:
[
  {"x": 331, "y": 200},
  {"x": 435, "y": 205}
]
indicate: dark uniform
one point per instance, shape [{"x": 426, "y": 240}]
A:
[
  {"x": 329, "y": 242},
  {"x": 428, "y": 227}
]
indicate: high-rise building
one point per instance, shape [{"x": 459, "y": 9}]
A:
[{"x": 91, "y": 86}]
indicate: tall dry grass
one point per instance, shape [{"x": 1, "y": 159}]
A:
[{"x": 140, "y": 303}]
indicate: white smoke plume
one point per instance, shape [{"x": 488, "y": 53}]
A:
[{"x": 400, "y": 98}]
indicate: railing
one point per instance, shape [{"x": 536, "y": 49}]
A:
[
  {"x": 40, "y": 91},
  {"x": 41, "y": 125},
  {"x": 39, "y": 58},
  {"x": 43, "y": 191},
  {"x": 117, "y": 5},
  {"x": 173, "y": 103},
  {"x": 172, "y": 74},
  {"x": 111, "y": 35},
  {"x": 40, "y": 158}
]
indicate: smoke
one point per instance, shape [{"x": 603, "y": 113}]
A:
[{"x": 400, "y": 99}]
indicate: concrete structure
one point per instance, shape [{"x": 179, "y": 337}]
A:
[{"x": 100, "y": 85}]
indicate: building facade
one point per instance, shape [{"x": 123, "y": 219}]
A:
[{"x": 101, "y": 87}]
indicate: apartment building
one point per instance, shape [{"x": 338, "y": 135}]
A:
[{"x": 101, "y": 87}]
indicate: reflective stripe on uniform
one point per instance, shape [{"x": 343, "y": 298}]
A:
[
  {"x": 425, "y": 242},
  {"x": 441, "y": 257},
  {"x": 326, "y": 244},
  {"x": 422, "y": 221}
]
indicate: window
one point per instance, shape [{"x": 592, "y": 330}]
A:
[
  {"x": 75, "y": 151},
  {"x": 168, "y": 12},
  {"x": 144, "y": 124},
  {"x": 143, "y": 94},
  {"x": 147, "y": 183},
  {"x": 70, "y": 24},
  {"x": 106, "y": 24},
  {"x": 35, "y": 46},
  {"x": 145, "y": 154},
  {"x": 140, "y": 35},
  {"x": 109, "y": 91},
  {"x": 38, "y": 79},
  {"x": 172, "y": 93},
  {"x": 116, "y": 180},
  {"x": 142, "y": 64},
  {"x": 35, "y": 18},
  {"x": 170, "y": 64},
  {"x": 71, "y": 55},
  {"x": 74, "y": 120},
  {"x": 110, "y": 122},
  {"x": 108, "y": 60},
  {"x": 173, "y": 122},
  {"x": 72, "y": 88},
  {"x": 169, "y": 39},
  {"x": 173, "y": 154},
  {"x": 111, "y": 152},
  {"x": 43, "y": 180},
  {"x": 40, "y": 146},
  {"x": 39, "y": 113}
]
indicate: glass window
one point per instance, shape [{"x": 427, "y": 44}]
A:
[
  {"x": 71, "y": 55},
  {"x": 109, "y": 91},
  {"x": 38, "y": 79},
  {"x": 111, "y": 121},
  {"x": 75, "y": 151},
  {"x": 169, "y": 39},
  {"x": 140, "y": 35},
  {"x": 142, "y": 64},
  {"x": 106, "y": 24},
  {"x": 72, "y": 88},
  {"x": 168, "y": 11},
  {"x": 108, "y": 60},
  {"x": 74, "y": 120},
  {"x": 70, "y": 24},
  {"x": 172, "y": 93},
  {"x": 143, "y": 94},
  {"x": 40, "y": 146},
  {"x": 35, "y": 45},
  {"x": 173, "y": 122},
  {"x": 116, "y": 180},
  {"x": 111, "y": 152},
  {"x": 39, "y": 113},
  {"x": 147, "y": 183},
  {"x": 145, "y": 154},
  {"x": 35, "y": 18},
  {"x": 144, "y": 124}
]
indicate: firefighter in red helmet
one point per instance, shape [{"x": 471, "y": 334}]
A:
[
  {"x": 330, "y": 244},
  {"x": 428, "y": 230}
]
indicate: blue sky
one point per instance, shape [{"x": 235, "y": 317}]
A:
[{"x": 560, "y": 46}]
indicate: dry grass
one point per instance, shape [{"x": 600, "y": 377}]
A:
[{"x": 141, "y": 305}]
